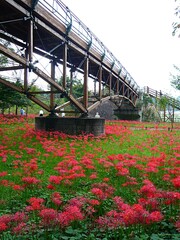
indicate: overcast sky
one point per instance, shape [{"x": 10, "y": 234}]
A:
[{"x": 138, "y": 33}]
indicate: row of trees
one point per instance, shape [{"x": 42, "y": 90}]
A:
[{"x": 11, "y": 99}]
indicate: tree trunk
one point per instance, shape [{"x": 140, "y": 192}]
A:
[
  {"x": 16, "y": 110},
  {"x": 164, "y": 114}
]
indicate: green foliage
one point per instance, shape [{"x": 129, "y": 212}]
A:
[
  {"x": 10, "y": 98},
  {"x": 149, "y": 111},
  {"x": 163, "y": 102},
  {"x": 74, "y": 84},
  {"x": 176, "y": 24},
  {"x": 175, "y": 79}
]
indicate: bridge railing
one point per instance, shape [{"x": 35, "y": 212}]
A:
[
  {"x": 159, "y": 94},
  {"x": 74, "y": 24}
]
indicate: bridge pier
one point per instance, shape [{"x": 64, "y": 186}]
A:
[
  {"x": 127, "y": 114},
  {"x": 71, "y": 125}
]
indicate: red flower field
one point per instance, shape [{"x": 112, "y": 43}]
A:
[{"x": 123, "y": 185}]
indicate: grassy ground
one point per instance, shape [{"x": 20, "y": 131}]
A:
[{"x": 124, "y": 185}]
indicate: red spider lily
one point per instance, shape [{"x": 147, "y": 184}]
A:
[
  {"x": 30, "y": 150},
  {"x": 30, "y": 167},
  {"x": 5, "y": 220},
  {"x": 118, "y": 201},
  {"x": 122, "y": 171},
  {"x": 129, "y": 215},
  {"x": 93, "y": 176},
  {"x": 21, "y": 228},
  {"x": 155, "y": 216},
  {"x": 3, "y": 226},
  {"x": 98, "y": 192},
  {"x": 102, "y": 190},
  {"x": 19, "y": 217},
  {"x": 170, "y": 197},
  {"x": 72, "y": 213},
  {"x": 106, "y": 179},
  {"x": 177, "y": 225},
  {"x": 148, "y": 190},
  {"x": 105, "y": 163},
  {"x": 56, "y": 198},
  {"x": 4, "y": 159},
  {"x": 55, "y": 179},
  {"x": 48, "y": 217},
  {"x": 151, "y": 203},
  {"x": 86, "y": 205},
  {"x": 89, "y": 211},
  {"x": 176, "y": 182},
  {"x": 4, "y": 183},
  {"x": 2, "y": 174},
  {"x": 87, "y": 162},
  {"x": 117, "y": 130},
  {"x": 51, "y": 187},
  {"x": 111, "y": 220},
  {"x": 94, "y": 202},
  {"x": 30, "y": 181},
  {"x": 35, "y": 204},
  {"x": 130, "y": 181},
  {"x": 166, "y": 177},
  {"x": 78, "y": 201}
]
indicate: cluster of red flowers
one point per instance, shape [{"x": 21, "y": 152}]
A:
[{"x": 82, "y": 180}]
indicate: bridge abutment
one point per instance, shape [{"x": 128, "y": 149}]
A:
[{"x": 71, "y": 126}]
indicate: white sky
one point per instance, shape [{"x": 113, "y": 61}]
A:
[{"x": 138, "y": 33}]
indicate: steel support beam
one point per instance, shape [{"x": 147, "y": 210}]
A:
[
  {"x": 65, "y": 49},
  {"x": 52, "y": 88},
  {"x": 20, "y": 90},
  {"x": 26, "y": 74},
  {"x": 86, "y": 73},
  {"x": 117, "y": 85},
  {"x": 71, "y": 83},
  {"x": 110, "y": 83},
  {"x": 7, "y": 52},
  {"x": 31, "y": 45},
  {"x": 10, "y": 68},
  {"x": 100, "y": 82}
]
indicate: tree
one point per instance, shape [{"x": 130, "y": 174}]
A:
[
  {"x": 8, "y": 96},
  {"x": 176, "y": 24},
  {"x": 75, "y": 84},
  {"x": 148, "y": 109},
  {"x": 175, "y": 79}
]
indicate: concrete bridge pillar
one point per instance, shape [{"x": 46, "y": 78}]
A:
[{"x": 71, "y": 126}]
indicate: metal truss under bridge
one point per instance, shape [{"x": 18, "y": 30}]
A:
[{"x": 49, "y": 29}]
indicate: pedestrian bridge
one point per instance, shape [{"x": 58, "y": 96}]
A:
[
  {"x": 47, "y": 29},
  {"x": 174, "y": 103}
]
